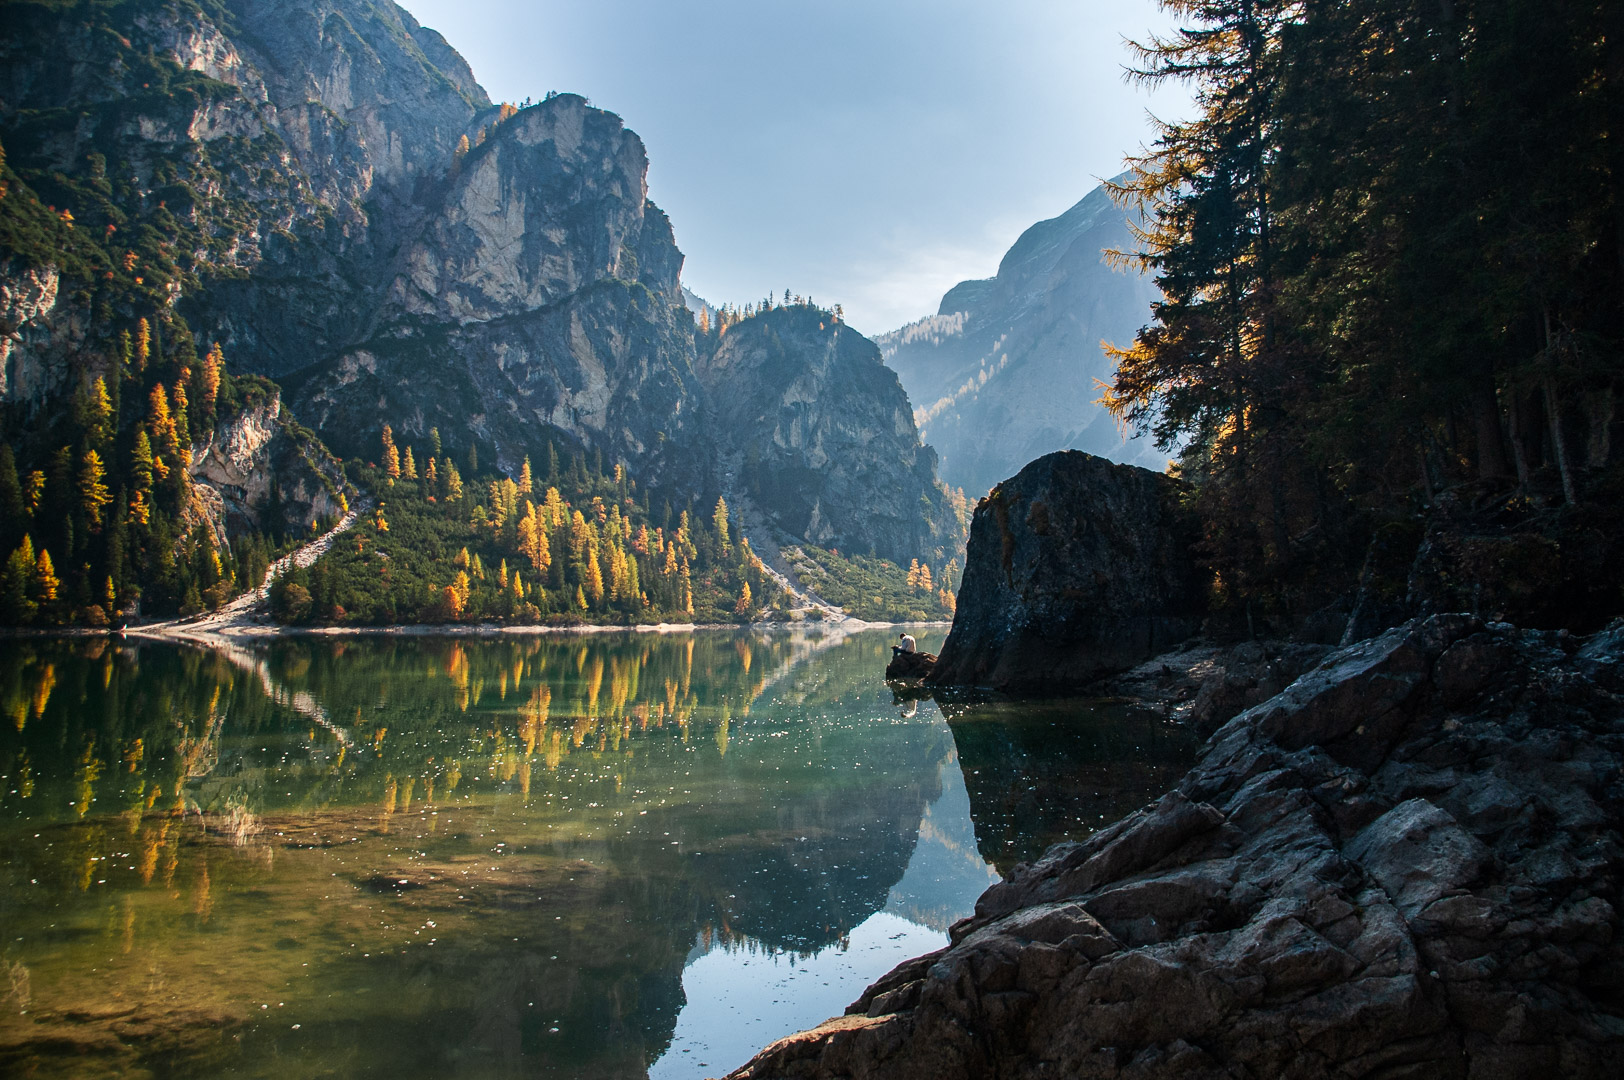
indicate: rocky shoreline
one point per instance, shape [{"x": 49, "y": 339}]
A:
[{"x": 1405, "y": 863}]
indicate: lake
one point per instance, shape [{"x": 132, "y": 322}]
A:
[{"x": 605, "y": 855}]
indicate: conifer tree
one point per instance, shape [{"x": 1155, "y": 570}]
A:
[
  {"x": 143, "y": 345},
  {"x": 213, "y": 368},
  {"x": 719, "y": 518},
  {"x": 17, "y": 603},
  {"x": 46, "y": 584},
  {"x": 11, "y": 491},
  {"x": 93, "y": 494}
]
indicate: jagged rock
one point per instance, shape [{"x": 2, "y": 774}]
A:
[
  {"x": 819, "y": 434},
  {"x": 541, "y": 296},
  {"x": 1406, "y": 864},
  {"x": 256, "y": 471},
  {"x": 910, "y": 665},
  {"x": 1076, "y": 568}
]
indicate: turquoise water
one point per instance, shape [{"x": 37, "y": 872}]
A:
[{"x": 609, "y": 855}]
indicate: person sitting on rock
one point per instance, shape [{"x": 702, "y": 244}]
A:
[{"x": 908, "y": 644}]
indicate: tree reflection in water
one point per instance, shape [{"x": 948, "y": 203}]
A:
[{"x": 413, "y": 856}]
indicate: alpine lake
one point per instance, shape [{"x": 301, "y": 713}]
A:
[{"x": 600, "y": 855}]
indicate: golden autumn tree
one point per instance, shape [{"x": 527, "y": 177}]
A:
[{"x": 214, "y": 362}]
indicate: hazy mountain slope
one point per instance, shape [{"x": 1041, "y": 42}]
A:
[{"x": 1005, "y": 371}]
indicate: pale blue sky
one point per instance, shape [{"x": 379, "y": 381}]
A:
[{"x": 867, "y": 153}]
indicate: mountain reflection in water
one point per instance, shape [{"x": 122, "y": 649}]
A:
[{"x": 605, "y": 855}]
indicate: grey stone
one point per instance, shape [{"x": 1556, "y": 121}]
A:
[
  {"x": 1076, "y": 569},
  {"x": 1279, "y": 937}
]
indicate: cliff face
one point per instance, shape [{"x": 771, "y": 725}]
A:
[
  {"x": 542, "y": 294},
  {"x": 818, "y": 433},
  {"x": 252, "y": 163},
  {"x": 257, "y": 471},
  {"x": 1005, "y": 371},
  {"x": 1076, "y": 568},
  {"x": 1406, "y": 864},
  {"x": 288, "y": 176}
]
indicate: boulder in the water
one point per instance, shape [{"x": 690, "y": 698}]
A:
[{"x": 910, "y": 665}]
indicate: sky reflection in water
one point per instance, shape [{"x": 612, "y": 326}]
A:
[{"x": 601, "y": 856}]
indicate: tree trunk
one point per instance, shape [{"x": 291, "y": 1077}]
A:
[
  {"x": 1553, "y": 416},
  {"x": 1491, "y": 449},
  {"x": 1518, "y": 451},
  {"x": 1599, "y": 411}
]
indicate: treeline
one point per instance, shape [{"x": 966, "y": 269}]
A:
[
  {"x": 565, "y": 541},
  {"x": 97, "y": 514},
  {"x": 874, "y": 589},
  {"x": 1391, "y": 248},
  {"x": 729, "y": 315}
]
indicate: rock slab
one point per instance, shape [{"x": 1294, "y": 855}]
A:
[
  {"x": 1407, "y": 864},
  {"x": 1077, "y": 568},
  {"x": 910, "y": 665}
]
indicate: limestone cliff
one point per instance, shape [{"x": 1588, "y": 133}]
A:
[
  {"x": 541, "y": 295},
  {"x": 817, "y": 432},
  {"x": 258, "y": 470},
  {"x": 1076, "y": 568},
  {"x": 246, "y": 165},
  {"x": 1005, "y": 371}
]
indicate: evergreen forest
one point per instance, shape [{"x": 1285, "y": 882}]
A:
[{"x": 1391, "y": 246}]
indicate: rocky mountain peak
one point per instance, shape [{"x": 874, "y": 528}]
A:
[
  {"x": 818, "y": 432},
  {"x": 551, "y": 202}
]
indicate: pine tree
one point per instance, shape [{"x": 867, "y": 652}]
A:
[
  {"x": 408, "y": 467},
  {"x": 17, "y": 604},
  {"x": 11, "y": 492},
  {"x": 93, "y": 494},
  {"x": 213, "y": 367},
  {"x": 719, "y": 518},
  {"x": 46, "y": 584},
  {"x": 97, "y": 417},
  {"x": 391, "y": 455},
  {"x": 526, "y": 481},
  {"x": 143, "y": 345},
  {"x": 593, "y": 579}
]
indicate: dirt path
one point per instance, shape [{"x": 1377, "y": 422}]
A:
[
  {"x": 754, "y": 527},
  {"x": 249, "y": 614}
]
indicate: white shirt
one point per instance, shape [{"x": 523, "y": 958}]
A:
[{"x": 908, "y": 643}]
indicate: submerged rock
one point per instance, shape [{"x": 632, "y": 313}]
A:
[
  {"x": 1405, "y": 864},
  {"x": 910, "y": 665},
  {"x": 1077, "y": 568}
]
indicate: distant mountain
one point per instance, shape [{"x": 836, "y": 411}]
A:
[
  {"x": 1005, "y": 371},
  {"x": 698, "y": 304}
]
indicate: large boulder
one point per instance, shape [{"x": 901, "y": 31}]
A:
[
  {"x": 1406, "y": 864},
  {"x": 1077, "y": 568}
]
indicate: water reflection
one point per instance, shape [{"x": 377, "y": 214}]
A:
[{"x": 409, "y": 857}]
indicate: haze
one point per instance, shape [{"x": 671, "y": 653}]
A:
[{"x": 867, "y": 154}]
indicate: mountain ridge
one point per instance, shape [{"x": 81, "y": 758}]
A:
[{"x": 1005, "y": 371}]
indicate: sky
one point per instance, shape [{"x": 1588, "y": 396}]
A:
[{"x": 871, "y": 153}]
